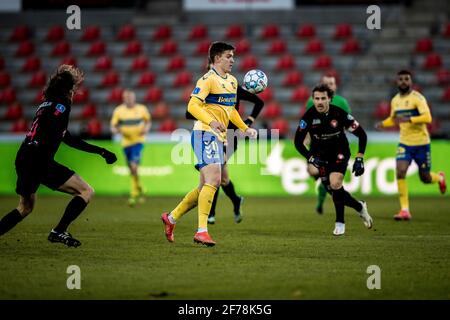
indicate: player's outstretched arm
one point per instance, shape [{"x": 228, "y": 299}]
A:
[
  {"x": 358, "y": 165},
  {"x": 258, "y": 104},
  {"x": 82, "y": 145}
]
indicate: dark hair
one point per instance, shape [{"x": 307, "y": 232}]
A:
[
  {"x": 323, "y": 88},
  {"x": 62, "y": 82},
  {"x": 404, "y": 72},
  {"x": 217, "y": 48}
]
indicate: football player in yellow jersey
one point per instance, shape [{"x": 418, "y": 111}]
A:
[
  {"x": 409, "y": 110},
  {"x": 133, "y": 122},
  {"x": 212, "y": 103}
]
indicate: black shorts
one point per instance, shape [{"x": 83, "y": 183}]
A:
[
  {"x": 29, "y": 176},
  {"x": 336, "y": 162}
]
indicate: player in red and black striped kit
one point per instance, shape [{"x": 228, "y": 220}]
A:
[
  {"x": 329, "y": 151},
  {"x": 35, "y": 162}
]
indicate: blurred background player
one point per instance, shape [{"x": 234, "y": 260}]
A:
[
  {"x": 226, "y": 183},
  {"x": 410, "y": 111},
  {"x": 329, "y": 151},
  {"x": 35, "y": 162},
  {"x": 340, "y": 102},
  {"x": 212, "y": 103},
  {"x": 133, "y": 122}
]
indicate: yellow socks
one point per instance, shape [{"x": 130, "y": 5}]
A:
[
  {"x": 205, "y": 200},
  {"x": 403, "y": 194},
  {"x": 189, "y": 201},
  {"x": 434, "y": 177},
  {"x": 135, "y": 187}
]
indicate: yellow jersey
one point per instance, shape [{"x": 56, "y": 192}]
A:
[
  {"x": 131, "y": 122},
  {"x": 218, "y": 95},
  {"x": 412, "y": 105}
]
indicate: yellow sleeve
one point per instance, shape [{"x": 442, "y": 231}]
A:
[
  {"x": 424, "y": 111},
  {"x": 389, "y": 122},
  {"x": 147, "y": 117},
  {"x": 195, "y": 108},
  {"x": 203, "y": 87},
  {"x": 115, "y": 118},
  {"x": 237, "y": 120}
]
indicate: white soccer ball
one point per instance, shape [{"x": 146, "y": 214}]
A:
[{"x": 255, "y": 81}]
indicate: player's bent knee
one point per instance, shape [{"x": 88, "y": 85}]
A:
[
  {"x": 336, "y": 185},
  {"x": 87, "y": 193},
  {"x": 313, "y": 171}
]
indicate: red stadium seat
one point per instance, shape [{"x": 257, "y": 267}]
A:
[
  {"x": 323, "y": 62},
  {"x": 169, "y": 47},
  {"x": 446, "y": 32},
  {"x": 277, "y": 46},
  {"x": 81, "y": 96},
  {"x": 115, "y": 95},
  {"x": 140, "y": 63},
  {"x": 146, "y": 79},
  {"x": 91, "y": 33},
  {"x": 382, "y": 110},
  {"x": 133, "y": 48},
  {"x": 153, "y": 95},
  {"x": 242, "y": 47},
  {"x": 31, "y": 64},
  {"x": 300, "y": 94},
  {"x": 198, "y": 32},
  {"x": 314, "y": 46},
  {"x": 8, "y": 95},
  {"x": 351, "y": 46},
  {"x": 89, "y": 111},
  {"x": 110, "y": 79},
  {"x": 248, "y": 62},
  {"x": 282, "y": 126},
  {"x": 97, "y": 48},
  {"x": 186, "y": 94},
  {"x": 432, "y": 61},
  {"x": 343, "y": 31},
  {"x": 272, "y": 110},
  {"x": 55, "y": 33},
  {"x": 20, "y": 33},
  {"x": 176, "y": 63},
  {"x": 62, "y": 48},
  {"x": 69, "y": 60},
  {"x": 267, "y": 95},
  {"x": 234, "y": 31},
  {"x": 126, "y": 33},
  {"x": 14, "y": 111},
  {"x": 168, "y": 126},
  {"x": 292, "y": 78},
  {"x": 443, "y": 77},
  {"x": 38, "y": 79},
  {"x": 285, "y": 62},
  {"x": 162, "y": 33},
  {"x": 434, "y": 126},
  {"x": 94, "y": 128},
  {"x": 5, "y": 79},
  {"x": 103, "y": 63},
  {"x": 160, "y": 111},
  {"x": 306, "y": 31},
  {"x": 446, "y": 95},
  {"x": 424, "y": 45},
  {"x": 203, "y": 47},
  {"x": 19, "y": 126},
  {"x": 39, "y": 98},
  {"x": 270, "y": 31},
  {"x": 24, "y": 49},
  {"x": 182, "y": 79}
]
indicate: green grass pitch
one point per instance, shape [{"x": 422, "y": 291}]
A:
[{"x": 281, "y": 250}]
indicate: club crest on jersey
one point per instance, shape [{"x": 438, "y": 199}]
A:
[
  {"x": 59, "y": 109},
  {"x": 334, "y": 123},
  {"x": 316, "y": 121}
]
